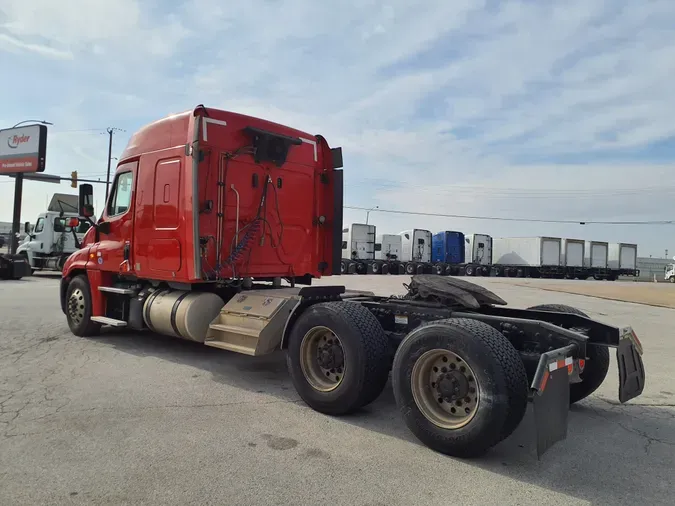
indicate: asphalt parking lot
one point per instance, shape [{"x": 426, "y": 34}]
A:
[{"x": 142, "y": 419}]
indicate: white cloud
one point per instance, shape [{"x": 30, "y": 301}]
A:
[
  {"x": 464, "y": 101},
  {"x": 9, "y": 43}
]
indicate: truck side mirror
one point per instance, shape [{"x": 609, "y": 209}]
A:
[
  {"x": 86, "y": 201},
  {"x": 26, "y": 227}
]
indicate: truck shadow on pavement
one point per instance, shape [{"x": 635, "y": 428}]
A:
[{"x": 613, "y": 454}]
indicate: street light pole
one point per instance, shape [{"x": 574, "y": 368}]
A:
[
  {"x": 18, "y": 193},
  {"x": 111, "y": 131},
  {"x": 368, "y": 212}
]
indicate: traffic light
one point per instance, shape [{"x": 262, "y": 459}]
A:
[{"x": 73, "y": 179}]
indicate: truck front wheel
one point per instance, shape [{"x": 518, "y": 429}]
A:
[
  {"x": 338, "y": 357},
  {"x": 460, "y": 385},
  {"x": 78, "y": 308}
]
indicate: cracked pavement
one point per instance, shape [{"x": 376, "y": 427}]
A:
[{"x": 142, "y": 419}]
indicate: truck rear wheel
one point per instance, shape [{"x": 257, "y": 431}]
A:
[
  {"x": 460, "y": 385},
  {"x": 78, "y": 308},
  {"x": 338, "y": 357},
  {"x": 597, "y": 359}
]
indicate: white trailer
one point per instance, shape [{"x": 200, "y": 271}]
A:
[
  {"x": 572, "y": 253},
  {"x": 477, "y": 254},
  {"x": 358, "y": 250},
  {"x": 388, "y": 248},
  {"x": 50, "y": 241},
  {"x": 596, "y": 255},
  {"x": 622, "y": 260},
  {"x": 596, "y": 260},
  {"x": 527, "y": 256},
  {"x": 416, "y": 250}
]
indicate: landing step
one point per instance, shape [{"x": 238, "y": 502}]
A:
[
  {"x": 235, "y": 330},
  {"x": 237, "y": 348},
  {"x": 109, "y": 321},
  {"x": 114, "y": 289}
]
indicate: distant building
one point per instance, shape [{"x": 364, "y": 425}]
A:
[{"x": 650, "y": 267}]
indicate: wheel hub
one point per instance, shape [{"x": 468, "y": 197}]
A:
[
  {"x": 330, "y": 355},
  {"x": 322, "y": 359},
  {"x": 445, "y": 389},
  {"x": 452, "y": 386},
  {"x": 76, "y": 306}
]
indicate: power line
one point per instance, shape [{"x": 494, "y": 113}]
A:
[
  {"x": 78, "y": 130},
  {"x": 494, "y": 191},
  {"x": 501, "y": 218}
]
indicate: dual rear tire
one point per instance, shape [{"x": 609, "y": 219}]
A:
[{"x": 459, "y": 384}]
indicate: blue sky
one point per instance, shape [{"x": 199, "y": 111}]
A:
[{"x": 521, "y": 109}]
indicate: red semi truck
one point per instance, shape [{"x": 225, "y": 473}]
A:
[{"x": 216, "y": 225}]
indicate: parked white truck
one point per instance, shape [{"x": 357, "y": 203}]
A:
[
  {"x": 477, "y": 254},
  {"x": 670, "y": 272},
  {"x": 51, "y": 240},
  {"x": 416, "y": 251},
  {"x": 388, "y": 249},
  {"x": 358, "y": 251}
]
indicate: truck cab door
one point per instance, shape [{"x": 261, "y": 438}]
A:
[
  {"x": 36, "y": 241},
  {"x": 114, "y": 249}
]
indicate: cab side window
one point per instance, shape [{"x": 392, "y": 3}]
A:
[
  {"x": 120, "y": 199},
  {"x": 60, "y": 225},
  {"x": 39, "y": 226}
]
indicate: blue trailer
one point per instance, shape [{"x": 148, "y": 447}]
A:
[{"x": 447, "y": 252}]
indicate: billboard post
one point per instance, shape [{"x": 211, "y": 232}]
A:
[{"x": 23, "y": 150}]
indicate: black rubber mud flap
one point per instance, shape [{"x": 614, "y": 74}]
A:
[
  {"x": 551, "y": 385},
  {"x": 631, "y": 368},
  {"x": 551, "y": 410}
]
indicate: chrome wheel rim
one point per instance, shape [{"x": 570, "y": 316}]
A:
[{"x": 76, "y": 306}]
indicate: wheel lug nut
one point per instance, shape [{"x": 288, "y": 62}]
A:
[
  {"x": 467, "y": 399},
  {"x": 453, "y": 366},
  {"x": 445, "y": 359},
  {"x": 440, "y": 400},
  {"x": 445, "y": 369},
  {"x": 459, "y": 403},
  {"x": 462, "y": 369}
]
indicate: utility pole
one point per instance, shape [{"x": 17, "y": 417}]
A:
[{"x": 111, "y": 131}]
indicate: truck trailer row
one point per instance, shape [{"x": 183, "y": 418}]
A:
[{"x": 420, "y": 251}]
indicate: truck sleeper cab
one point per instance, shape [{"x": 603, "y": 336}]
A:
[{"x": 197, "y": 236}]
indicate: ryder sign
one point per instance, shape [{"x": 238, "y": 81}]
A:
[{"x": 23, "y": 149}]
